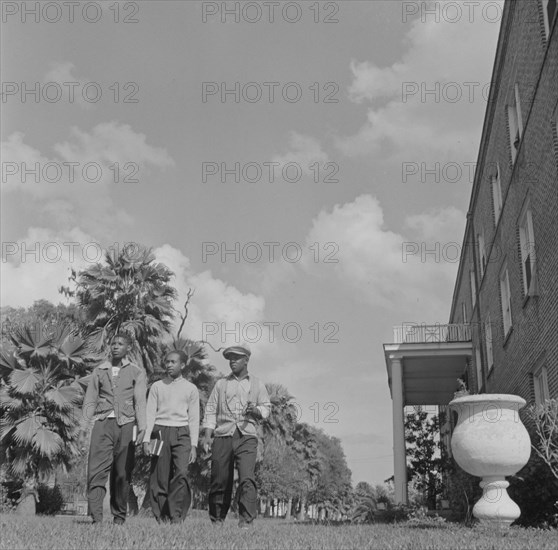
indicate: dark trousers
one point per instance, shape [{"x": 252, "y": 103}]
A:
[
  {"x": 225, "y": 451},
  {"x": 111, "y": 453},
  {"x": 169, "y": 490}
]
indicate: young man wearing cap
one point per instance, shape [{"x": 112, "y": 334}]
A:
[
  {"x": 235, "y": 406},
  {"x": 115, "y": 400}
]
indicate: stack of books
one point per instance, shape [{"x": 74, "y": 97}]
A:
[{"x": 155, "y": 444}]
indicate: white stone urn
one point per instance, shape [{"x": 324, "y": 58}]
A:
[{"x": 491, "y": 442}]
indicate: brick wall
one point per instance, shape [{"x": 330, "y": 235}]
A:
[{"x": 526, "y": 58}]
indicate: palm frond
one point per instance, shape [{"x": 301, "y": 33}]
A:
[
  {"x": 64, "y": 397},
  {"x": 24, "y": 381},
  {"x": 47, "y": 442},
  {"x": 27, "y": 428}
]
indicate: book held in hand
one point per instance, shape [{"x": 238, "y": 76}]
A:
[{"x": 155, "y": 444}]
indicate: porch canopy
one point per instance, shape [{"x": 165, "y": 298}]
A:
[{"x": 423, "y": 364}]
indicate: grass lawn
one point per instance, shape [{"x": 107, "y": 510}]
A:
[{"x": 196, "y": 532}]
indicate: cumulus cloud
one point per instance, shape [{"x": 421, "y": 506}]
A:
[
  {"x": 35, "y": 267},
  {"x": 405, "y": 121},
  {"x": 62, "y": 74},
  {"x": 79, "y": 177},
  {"x": 304, "y": 151},
  {"x": 218, "y": 312},
  {"x": 388, "y": 269}
]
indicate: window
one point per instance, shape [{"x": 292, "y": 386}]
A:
[
  {"x": 473, "y": 288},
  {"x": 549, "y": 10},
  {"x": 505, "y": 297},
  {"x": 528, "y": 257},
  {"x": 515, "y": 122},
  {"x": 478, "y": 365},
  {"x": 488, "y": 343},
  {"x": 464, "y": 313},
  {"x": 482, "y": 255},
  {"x": 497, "y": 194},
  {"x": 540, "y": 381}
]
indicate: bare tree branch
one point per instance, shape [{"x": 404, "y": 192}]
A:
[{"x": 185, "y": 316}]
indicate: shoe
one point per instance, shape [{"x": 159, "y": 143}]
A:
[{"x": 118, "y": 521}]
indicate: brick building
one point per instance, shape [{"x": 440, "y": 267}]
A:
[
  {"x": 507, "y": 283},
  {"x": 502, "y": 335}
]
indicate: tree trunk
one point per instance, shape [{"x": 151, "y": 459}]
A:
[
  {"x": 289, "y": 508},
  {"x": 302, "y": 511},
  {"x": 27, "y": 505},
  {"x": 267, "y": 508}
]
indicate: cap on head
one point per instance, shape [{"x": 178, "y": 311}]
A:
[{"x": 240, "y": 349}]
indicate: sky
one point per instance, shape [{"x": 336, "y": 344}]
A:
[{"x": 305, "y": 167}]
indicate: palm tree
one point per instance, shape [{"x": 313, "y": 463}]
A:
[
  {"x": 130, "y": 292},
  {"x": 39, "y": 399},
  {"x": 305, "y": 444},
  {"x": 283, "y": 416}
]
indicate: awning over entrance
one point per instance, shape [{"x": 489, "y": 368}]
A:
[
  {"x": 430, "y": 371},
  {"x": 423, "y": 365}
]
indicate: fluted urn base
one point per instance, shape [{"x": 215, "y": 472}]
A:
[{"x": 495, "y": 507}]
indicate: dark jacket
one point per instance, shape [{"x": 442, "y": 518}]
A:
[{"x": 124, "y": 394}]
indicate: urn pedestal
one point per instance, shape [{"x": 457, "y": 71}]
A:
[{"x": 491, "y": 442}]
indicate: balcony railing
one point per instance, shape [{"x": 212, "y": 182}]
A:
[{"x": 414, "y": 333}]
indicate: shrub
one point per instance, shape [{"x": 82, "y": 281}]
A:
[
  {"x": 10, "y": 492},
  {"x": 50, "y": 501},
  {"x": 535, "y": 487},
  {"x": 463, "y": 490},
  {"x": 535, "y": 491}
]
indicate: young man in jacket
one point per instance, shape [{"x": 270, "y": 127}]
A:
[{"x": 115, "y": 400}]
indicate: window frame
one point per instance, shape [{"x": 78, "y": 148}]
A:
[
  {"x": 505, "y": 298},
  {"x": 482, "y": 254},
  {"x": 488, "y": 343},
  {"x": 478, "y": 368},
  {"x": 527, "y": 242},
  {"x": 497, "y": 200},
  {"x": 540, "y": 385},
  {"x": 473, "y": 283},
  {"x": 515, "y": 117},
  {"x": 547, "y": 20}
]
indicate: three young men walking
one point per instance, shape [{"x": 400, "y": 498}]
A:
[{"x": 116, "y": 401}]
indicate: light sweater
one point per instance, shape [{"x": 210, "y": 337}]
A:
[{"x": 174, "y": 403}]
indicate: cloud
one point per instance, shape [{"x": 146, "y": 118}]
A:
[
  {"x": 387, "y": 269},
  {"x": 404, "y": 120},
  {"x": 35, "y": 267},
  {"x": 305, "y": 151},
  {"x": 218, "y": 311},
  {"x": 79, "y": 177},
  {"x": 62, "y": 74}
]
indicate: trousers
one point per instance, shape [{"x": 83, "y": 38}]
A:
[
  {"x": 111, "y": 453},
  {"x": 170, "y": 492},
  {"x": 225, "y": 451}
]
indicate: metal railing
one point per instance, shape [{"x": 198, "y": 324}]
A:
[{"x": 415, "y": 333}]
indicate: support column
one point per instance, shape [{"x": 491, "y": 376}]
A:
[{"x": 399, "y": 456}]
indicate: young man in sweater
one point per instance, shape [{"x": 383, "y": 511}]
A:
[
  {"x": 173, "y": 414},
  {"x": 115, "y": 400},
  {"x": 235, "y": 406}
]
